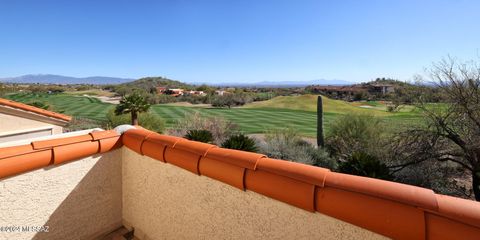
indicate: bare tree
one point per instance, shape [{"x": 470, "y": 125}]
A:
[{"x": 451, "y": 132}]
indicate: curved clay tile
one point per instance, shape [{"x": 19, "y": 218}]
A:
[
  {"x": 392, "y": 209},
  {"x": 240, "y": 158}
]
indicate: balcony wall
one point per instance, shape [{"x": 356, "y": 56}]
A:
[
  {"x": 163, "y": 201},
  {"x": 76, "y": 200}
]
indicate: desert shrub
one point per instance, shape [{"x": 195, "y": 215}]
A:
[
  {"x": 200, "y": 135},
  {"x": 229, "y": 100},
  {"x": 240, "y": 142},
  {"x": 223, "y": 101},
  {"x": 161, "y": 98},
  {"x": 220, "y": 128},
  {"x": 356, "y": 133},
  {"x": 287, "y": 144},
  {"x": 147, "y": 120},
  {"x": 363, "y": 164},
  {"x": 78, "y": 123},
  {"x": 438, "y": 176}
]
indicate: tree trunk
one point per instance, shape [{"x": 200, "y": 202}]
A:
[
  {"x": 320, "y": 140},
  {"x": 476, "y": 183},
  {"x": 134, "y": 118}
]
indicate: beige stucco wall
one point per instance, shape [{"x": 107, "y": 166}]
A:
[
  {"x": 162, "y": 201},
  {"x": 15, "y": 128},
  {"x": 76, "y": 200},
  {"x": 11, "y": 123}
]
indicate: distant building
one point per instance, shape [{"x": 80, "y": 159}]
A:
[
  {"x": 222, "y": 92},
  {"x": 176, "y": 91},
  {"x": 161, "y": 90},
  {"x": 197, "y": 93},
  {"x": 21, "y": 121}
]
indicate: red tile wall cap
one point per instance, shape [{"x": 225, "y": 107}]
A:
[
  {"x": 23, "y": 163},
  {"x": 38, "y": 154},
  {"x": 134, "y": 138},
  {"x": 165, "y": 140},
  {"x": 36, "y": 110},
  {"x": 301, "y": 172},
  {"x": 155, "y": 145},
  {"x": 244, "y": 159},
  {"x": 416, "y": 196},
  {"x": 97, "y": 135},
  {"x": 71, "y": 152},
  {"x": 7, "y": 152},
  {"x": 45, "y": 144},
  {"x": 199, "y": 148},
  {"x": 459, "y": 209}
]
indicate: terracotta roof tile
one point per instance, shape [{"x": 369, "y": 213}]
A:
[
  {"x": 43, "y": 144},
  {"x": 7, "y": 152},
  {"x": 389, "y": 218},
  {"x": 301, "y": 172},
  {"x": 459, "y": 208},
  {"x": 224, "y": 172},
  {"x": 71, "y": 152},
  {"x": 134, "y": 139},
  {"x": 240, "y": 158},
  {"x": 24, "y": 162},
  {"x": 392, "y": 209},
  {"x": 33, "y": 109},
  {"x": 285, "y": 189},
  {"x": 181, "y": 158},
  {"x": 417, "y": 196},
  {"x": 198, "y": 148}
]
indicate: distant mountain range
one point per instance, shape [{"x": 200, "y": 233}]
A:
[
  {"x": 335, "y": 82},
  {"x": 58, "y": 79}
]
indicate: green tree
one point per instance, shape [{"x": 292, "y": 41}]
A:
[
  {"x": 451, "y": 131},
  {"x": 149, "y": 121},
  {"x": 133, "y": 104}
]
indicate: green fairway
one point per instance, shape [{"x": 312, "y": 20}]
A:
[
  {"x": 86, "y": 107},
  {"x": 253, "y": 118},
  {"x": 249, "y": 120},
  {"x": 308, "y": 102}
]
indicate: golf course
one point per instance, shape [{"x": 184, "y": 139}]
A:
[{"x": 298, "y": 112}]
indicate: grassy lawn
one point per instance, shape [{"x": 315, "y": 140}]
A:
[
  {"x": 86, "y": 107},
  {"x": 298, "y": 112}
]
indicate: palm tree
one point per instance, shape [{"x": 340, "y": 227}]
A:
[{"x": 133, "y": 104}]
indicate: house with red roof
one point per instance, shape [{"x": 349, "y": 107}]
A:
[{"x": 22, "y": 121}]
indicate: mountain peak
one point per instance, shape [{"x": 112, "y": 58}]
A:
[{"x": 59, "y": 79}]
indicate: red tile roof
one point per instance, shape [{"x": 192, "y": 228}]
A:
[
  {"x": 392, "y": 209},
  {"x": 28, "y": 108}
]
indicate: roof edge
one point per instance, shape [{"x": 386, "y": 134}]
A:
[{"x": 28, "y": 108}]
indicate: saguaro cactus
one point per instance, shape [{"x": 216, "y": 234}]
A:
[{"x": 320, "y": 140}]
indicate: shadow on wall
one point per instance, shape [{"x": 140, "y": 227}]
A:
[{"x": 94, "y": 205}]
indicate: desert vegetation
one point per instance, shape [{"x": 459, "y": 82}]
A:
[{"x": 420, "y": 134}]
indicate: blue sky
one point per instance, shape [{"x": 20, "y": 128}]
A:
[{"x": 235, "y": 41}]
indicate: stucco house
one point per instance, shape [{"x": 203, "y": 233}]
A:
[{"x": 21, "y": 121}]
